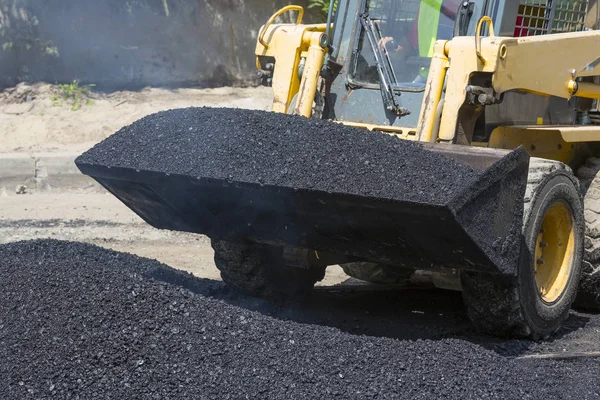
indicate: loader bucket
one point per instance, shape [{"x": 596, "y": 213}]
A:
[{"x": 476, "y": 228}]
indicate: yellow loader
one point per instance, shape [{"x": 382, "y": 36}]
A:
[{"x": 506, "y": 87}]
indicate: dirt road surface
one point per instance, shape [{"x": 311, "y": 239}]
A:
[
  {"x": 94, "y": 216},
  {"x": 37, "y": 118}
]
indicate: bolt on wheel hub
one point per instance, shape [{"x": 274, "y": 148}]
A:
[{"x": 554, "y": 252}]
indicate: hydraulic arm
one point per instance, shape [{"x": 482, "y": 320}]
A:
[{"x": 551, "y": 65}]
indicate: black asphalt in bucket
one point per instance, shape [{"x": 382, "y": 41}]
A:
[{"x": 240, "y": 175}]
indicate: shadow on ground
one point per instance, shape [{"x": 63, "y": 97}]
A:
[{"x": 403, "y": 314}]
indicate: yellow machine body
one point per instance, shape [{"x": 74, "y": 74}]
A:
[
  {"x": 548, "y": 65},
  {"x": 511, "y": 237},
  {"x": 558, "y": 65}
]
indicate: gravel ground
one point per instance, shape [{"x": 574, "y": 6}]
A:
[
  {"x": 282, "y": 150},
  {"x": 78, "y": 321}
]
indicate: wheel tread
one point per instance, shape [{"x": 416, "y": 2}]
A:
[
  {"x": 252, "y": 270},
  {"x": 493, "y": 302},
  {"x": 588, "y": 297}
]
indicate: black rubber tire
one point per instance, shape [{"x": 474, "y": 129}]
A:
[
  {"x": 260, "y": 270},
  {"x": 588, "y": 296},
  {"x": 512, "y": 306},
  {"x": 377, "y": 273}
]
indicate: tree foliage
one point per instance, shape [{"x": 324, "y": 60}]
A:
[
  {"x": 323, "y": 6},
  {"x": 19, "y": 30}
]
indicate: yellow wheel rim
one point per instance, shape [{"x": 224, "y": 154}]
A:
[{"x": 554, "y": 252}]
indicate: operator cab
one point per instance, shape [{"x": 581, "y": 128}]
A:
[
  {"x": 405, "y": 33},
  {"x": 385, "y": 47}
]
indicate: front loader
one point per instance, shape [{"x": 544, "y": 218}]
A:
[{"x": 507, "y": 88}]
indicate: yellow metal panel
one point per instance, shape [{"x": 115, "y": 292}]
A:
[
  {"x": 573, "y": 134},
  {"x": 286, "y": 45},
  {"x": 538, "y": 142},
  {"x": 584, "y": 89},
  {"x": 463, "y": 62},
  {"x": 569, "y": 133},
  {"x": 428, "y": 119},
  {"x": 312, "y": 72},
  {"x": 400, "y": 131},
  {"x": 546, "y": 64},
  {"x": 263, "y": 31}
]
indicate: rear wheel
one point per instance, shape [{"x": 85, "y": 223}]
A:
[
  {"x": 260, "y": 270},
  {"x": 535, "y": 302},
  {"x": 588, "y": 296}
]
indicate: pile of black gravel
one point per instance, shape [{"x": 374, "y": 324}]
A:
[
  {"x": 81, "y": 322},
  {"x": 282, "y": 150}
]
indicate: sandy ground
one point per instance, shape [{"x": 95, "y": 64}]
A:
[{"x": 32, "y": 119}]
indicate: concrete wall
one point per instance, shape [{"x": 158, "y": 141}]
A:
[{"x": 131, "y": 43}]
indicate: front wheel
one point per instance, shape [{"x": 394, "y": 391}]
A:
[
  {"x": 261, "y": 270},
  {"x": 535, "y": 303}
]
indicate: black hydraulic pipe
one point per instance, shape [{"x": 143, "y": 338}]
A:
[{"x": 329, "y": 20}]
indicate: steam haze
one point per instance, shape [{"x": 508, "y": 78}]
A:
[{"x": 128, "y": 44}]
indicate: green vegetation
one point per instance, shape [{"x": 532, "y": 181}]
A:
[
  {"x": 75, "y": 94},
  {"x": 322, "y": 5}
]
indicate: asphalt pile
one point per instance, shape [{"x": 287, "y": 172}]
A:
[
  {"x": 82, "y": 322},
  {"x": 282, "y": 150}
]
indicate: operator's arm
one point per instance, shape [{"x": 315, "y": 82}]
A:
[
  {"x": 450, "y": 8},
  {"x": 389, "y": 44}
]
